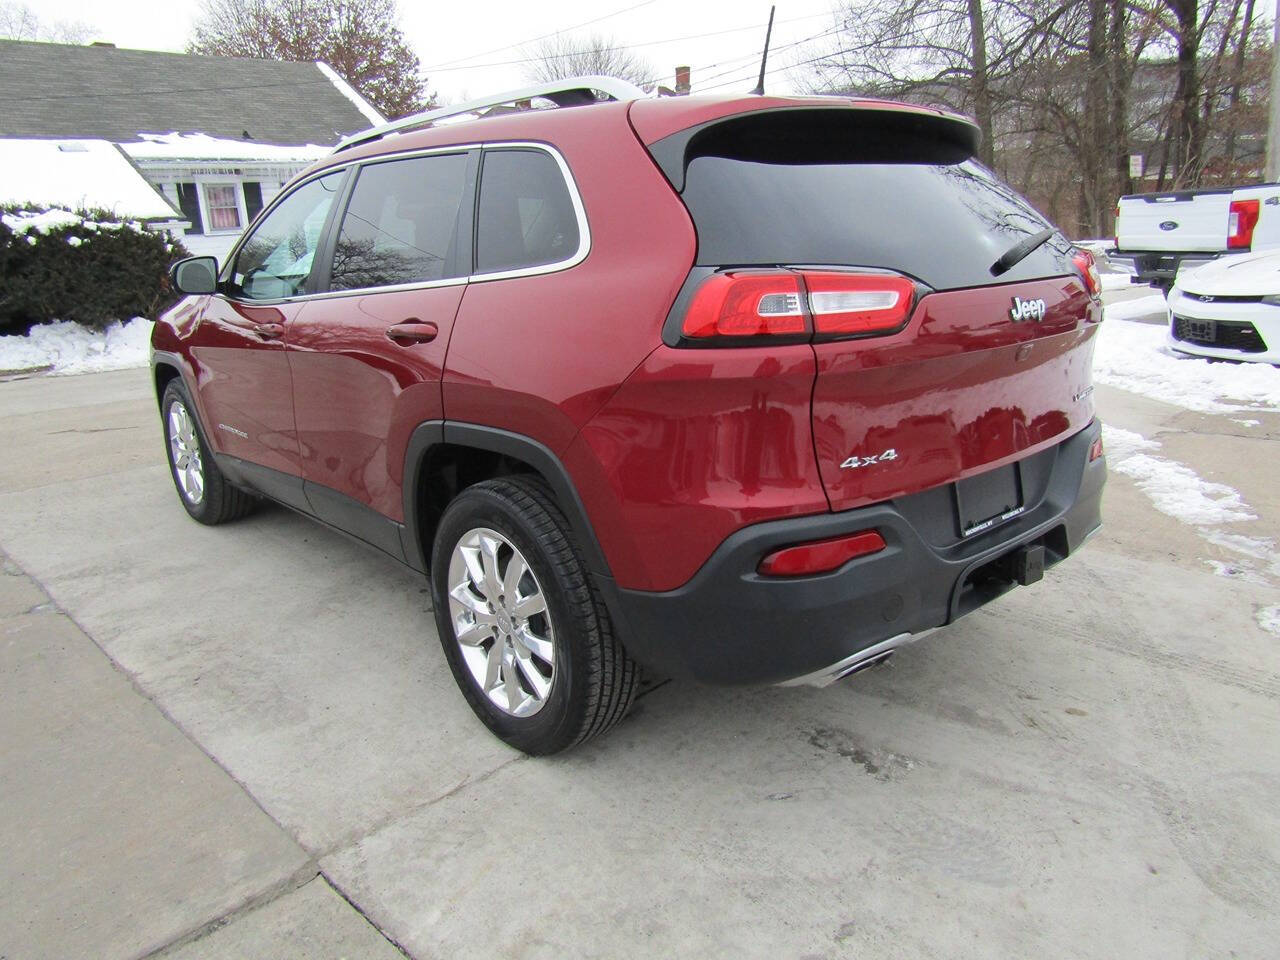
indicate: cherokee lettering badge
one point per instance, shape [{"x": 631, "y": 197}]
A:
[{"x": 1027, "y": 310}]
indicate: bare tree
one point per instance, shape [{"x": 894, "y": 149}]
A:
[
  {"x": 563, "y": 55},
  {"x": 360, "y": 39},
  {"x": 20, "y": 22}
]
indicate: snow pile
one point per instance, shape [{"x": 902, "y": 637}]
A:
[
  {"x": 71, "y": 348},
  {"x": 1174, "y": 490},
  {"x": 1115, "y": 281},
  {"x": 1135, "y": 357},
  {"x": 1139, "y": 307}
]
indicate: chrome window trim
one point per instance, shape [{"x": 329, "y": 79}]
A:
[{"x": 575, "y": 198}]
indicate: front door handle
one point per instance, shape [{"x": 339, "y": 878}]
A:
[
  {"x": 269, "y": 331},
  {"x": 413, "y": 331}
]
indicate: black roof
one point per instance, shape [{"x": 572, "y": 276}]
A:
[{"x": 60, "y": 90}]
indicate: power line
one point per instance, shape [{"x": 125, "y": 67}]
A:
[
  {"x": 578, "y": 26},
  {"x": 621, "y": 46}
]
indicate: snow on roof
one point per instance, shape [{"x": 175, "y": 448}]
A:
[
  {"x": 78, "y": 174},
  {"x": 200, "y": 146},
  {"x": 364, "y": 106}
]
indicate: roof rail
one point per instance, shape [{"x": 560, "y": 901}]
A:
[{"x": 570, "y": 92}]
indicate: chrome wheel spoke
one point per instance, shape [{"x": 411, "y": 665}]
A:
[
  {"x": 533, "y": 676},
  {"x": 544, "y": 650},
  {"x": 530, "y": 606},
  {"x": 493, "y": 591},
  {"x": 184, "y": 452},
  {"x": 475, "y": 633}
]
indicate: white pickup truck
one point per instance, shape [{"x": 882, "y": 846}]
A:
[{"x": 1156, "y": 233}]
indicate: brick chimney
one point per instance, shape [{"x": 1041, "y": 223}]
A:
[{"x": 682, "y": 81}]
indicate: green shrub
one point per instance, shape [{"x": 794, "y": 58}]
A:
[{"x": 86, "y": 265}]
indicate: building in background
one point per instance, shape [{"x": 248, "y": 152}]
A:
[{"x": 215, "y": 138}]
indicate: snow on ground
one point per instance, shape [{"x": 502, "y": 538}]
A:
[
  {"x": 1174, "y": 489},
  {"x": 1269, "y": 619},
  {"x": 1179, "y": 492},
  {"x": 1135, "y": 357},
  {"x": 1115, "y": 281},
  {"x": 71, "y": 348}
]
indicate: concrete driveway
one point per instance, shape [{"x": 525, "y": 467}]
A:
[{"x": 245, "y": 741}]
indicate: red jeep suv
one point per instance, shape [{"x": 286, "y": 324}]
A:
[{"x": 737, "y": 390}]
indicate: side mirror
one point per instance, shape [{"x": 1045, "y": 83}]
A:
[{"x": 195, "y": 275}]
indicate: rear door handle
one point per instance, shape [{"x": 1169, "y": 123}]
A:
[
  {"x": 413, "y": 331},
  {"x": 269, "y": 331}
]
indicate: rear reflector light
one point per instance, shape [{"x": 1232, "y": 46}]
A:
[
  {"x": 821, "y": 556},
  {"x": 1095, "y": 449},
  {"x": 1088, "y": 268},
  {"x": 858, "y": 303},
  {"x": 797, "y": 303},
  {"x": 1240, "y": 223}
]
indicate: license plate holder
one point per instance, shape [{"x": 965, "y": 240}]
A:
[
  {"x": 1206, "y": 331},
  {"x": 989, "y": 498}
]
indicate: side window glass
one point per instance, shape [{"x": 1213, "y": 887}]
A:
[
  {"x": 526, "y": 217},
  {"x": 276, "y": 259},
  {"x": 401, "y": 225}
]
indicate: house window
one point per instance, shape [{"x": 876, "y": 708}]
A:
[{"x": 223, "y": 206}]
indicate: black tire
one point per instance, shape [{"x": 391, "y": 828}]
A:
[
  {"x": 220, "y": 501},
  {"x": 594, "y": 681}
]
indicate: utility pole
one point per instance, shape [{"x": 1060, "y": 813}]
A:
[{"x": 1273, "y": 126}]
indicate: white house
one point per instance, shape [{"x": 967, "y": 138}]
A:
[{"x": 214, "y": 138}]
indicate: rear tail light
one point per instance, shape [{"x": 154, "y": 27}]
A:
[
  {"x": 843, "y": 303},
  {"x": 1088, "y": 267},
  {"x": 1240, "y": 223},
  {"x": 746, "y": 305},
  {"x": 820, "y": 556},
  {"x": 798, "y": 304}
]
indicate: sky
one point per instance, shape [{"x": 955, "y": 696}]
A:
[{"x": 466, "y": 48}]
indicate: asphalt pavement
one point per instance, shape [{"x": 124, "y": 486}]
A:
[{"x": 245, "y": 742}]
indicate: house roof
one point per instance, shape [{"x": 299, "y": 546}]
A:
[
  {"x": 78, "y": 174},
  {"x": 62, "y": 90}
]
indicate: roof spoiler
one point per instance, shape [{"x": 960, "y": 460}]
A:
[{"x": 570, "y": 92}]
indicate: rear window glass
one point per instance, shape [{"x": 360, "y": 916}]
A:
[
  {"x": 526, "y": 217},
  {"x": 942, "y": 223}
]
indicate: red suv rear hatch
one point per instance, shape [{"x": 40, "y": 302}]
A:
[{"x": 957, "y": 370}]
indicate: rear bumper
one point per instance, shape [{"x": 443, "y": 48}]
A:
[
  {"x": 1160, "y": 266},
  {"x": 729, "y": 625}
]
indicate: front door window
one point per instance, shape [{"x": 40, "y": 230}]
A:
[{"x": 275, "y": 261}]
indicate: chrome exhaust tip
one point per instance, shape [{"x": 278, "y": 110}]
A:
[{"x": 872, "y": 655}]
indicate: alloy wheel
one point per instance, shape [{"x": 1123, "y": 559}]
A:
[{"x": 501, "y": 622}]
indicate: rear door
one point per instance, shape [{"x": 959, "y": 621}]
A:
[
  {"x": 244, "y": 383},
  {"x": 979, "y": 366},
  {"x": 368, "y": 354},
  {"x": 1193, "y": 221}
]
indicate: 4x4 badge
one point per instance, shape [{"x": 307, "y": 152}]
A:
[
  {"x": 1027, "y": 310},
  {"x": 856, "y": 461}
]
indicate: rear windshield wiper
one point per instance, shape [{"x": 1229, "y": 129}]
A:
[{"x": 1020, "y": 250}]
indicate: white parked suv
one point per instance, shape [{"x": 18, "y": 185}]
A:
[{"x": 1228, "y": 309}]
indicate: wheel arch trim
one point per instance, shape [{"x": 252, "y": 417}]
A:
[{"x": 527, "y": 450}]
